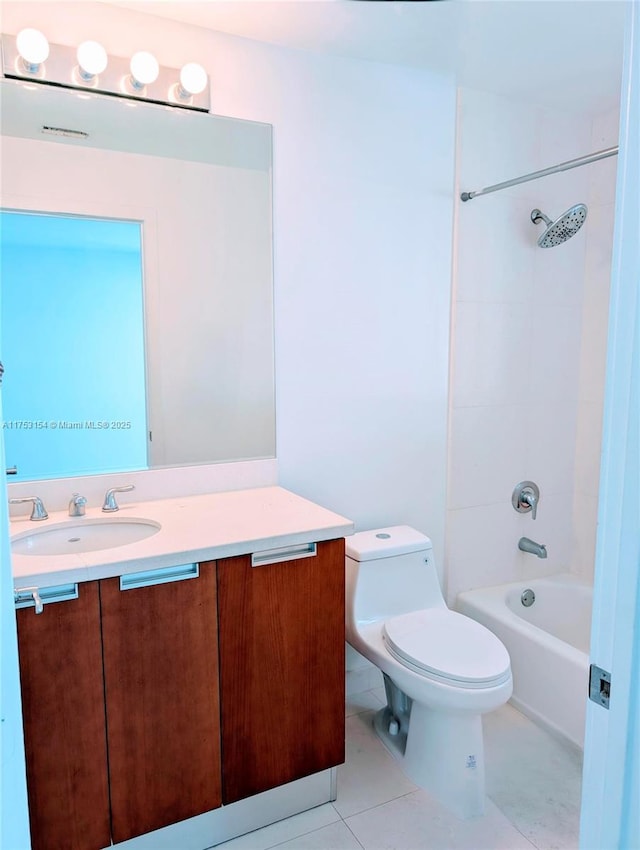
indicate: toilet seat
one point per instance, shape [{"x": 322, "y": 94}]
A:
[{"x": 440, "y": 644}]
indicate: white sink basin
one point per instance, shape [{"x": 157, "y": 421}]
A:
[{"x": 83, "y": 535}]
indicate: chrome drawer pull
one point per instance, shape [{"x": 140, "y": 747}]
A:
[
  {"x": 286, "y": 553},
  {"x": 26, "y": 597},
  {"x": 161, "y": 576}
]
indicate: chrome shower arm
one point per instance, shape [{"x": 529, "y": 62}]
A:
[{"x": 537, "y": 216}]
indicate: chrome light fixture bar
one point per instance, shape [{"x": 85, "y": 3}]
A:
[{"x": 30, "y": 57}]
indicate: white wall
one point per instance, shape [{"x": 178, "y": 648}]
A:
[
  {"x": 363, "y": 258},
  {"x": 363, "y": 177},
  {"x": 524, "y": 370},
  {"x": 595, "y": 311}
]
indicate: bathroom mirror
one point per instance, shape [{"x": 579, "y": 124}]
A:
[{"x": 197, "y": 332}]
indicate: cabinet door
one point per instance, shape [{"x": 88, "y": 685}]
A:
[
  {"x": 281, "y": 669},
  {"x": 163, "y": 718},
  {"x": 64, "y": 726}
]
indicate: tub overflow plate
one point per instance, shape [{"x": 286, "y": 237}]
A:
[{"x": 528, "y": 597}]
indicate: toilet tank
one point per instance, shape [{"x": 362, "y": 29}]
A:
[{"x": 389, "y": 571}]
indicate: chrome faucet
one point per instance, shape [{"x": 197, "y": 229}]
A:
[
  {"x": 77, "y": 505},
  {"x": 526, "y": 545},
  {"x": 38, "y": 512},
  {"x": 110, "y": 503}
]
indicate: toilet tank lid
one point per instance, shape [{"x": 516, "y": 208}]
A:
[{"x": 386, "y": 542}]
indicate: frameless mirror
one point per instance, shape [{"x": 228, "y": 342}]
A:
[{"x": 136, "y": 305}]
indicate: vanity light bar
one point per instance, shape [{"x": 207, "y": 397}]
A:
[{"x": 138, "y": 78}]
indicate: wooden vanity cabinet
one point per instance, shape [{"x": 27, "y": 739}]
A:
[
  {"x": 64, "y": 729},
  {"x": 149, "y": 705},
  {"x": 281, "y": 640}
]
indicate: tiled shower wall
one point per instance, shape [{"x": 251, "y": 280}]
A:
[
  {"x": 595, "y": 308},
  {"x": 528, "y": 343}
]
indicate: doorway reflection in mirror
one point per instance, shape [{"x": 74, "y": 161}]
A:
[{"x": 73, "y": 344}]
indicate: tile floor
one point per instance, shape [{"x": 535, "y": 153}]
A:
[{"x": 533, "y": 789}]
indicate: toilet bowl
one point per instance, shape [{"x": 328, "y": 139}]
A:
[{"x": 441, "y": 670}]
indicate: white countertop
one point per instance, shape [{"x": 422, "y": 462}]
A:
[{"x": 193, "y": 529}]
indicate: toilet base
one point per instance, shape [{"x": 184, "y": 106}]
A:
[
  {"x": 442, "y": 753},
  {"x": 395, "y": 742}
]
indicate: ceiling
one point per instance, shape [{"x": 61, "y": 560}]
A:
[{"x": 560, "y": 53}]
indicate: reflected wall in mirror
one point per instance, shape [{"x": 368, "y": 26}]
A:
[{"x": 197, "y": 188}]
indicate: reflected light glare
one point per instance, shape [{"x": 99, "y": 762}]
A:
[
  {"x": 92, "y": 58},
  {"x": 32, "y": 46},
  {"x": 144, "y": 68},
  {"x": 193, "y": 78}
]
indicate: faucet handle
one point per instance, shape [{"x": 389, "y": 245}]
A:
[
  {"x": 525, "y": 498},
  {"x": 530, "y": 498},
  {"x": 39, "y": 511},
  {"x": 77, "y": 505},
  {"x": 110, "y": 503}
]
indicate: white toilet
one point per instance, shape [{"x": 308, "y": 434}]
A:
[{"x": 442, "y": 670}]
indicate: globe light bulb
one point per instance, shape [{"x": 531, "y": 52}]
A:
[
  {"x": 92, "y": 59},
  {"x": 193, "y": 79},
  {"x": 33, "y": 48},
  {"x": 144, "y": 69}
]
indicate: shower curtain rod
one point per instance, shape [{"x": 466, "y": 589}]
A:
[{"x": 564, "y": 166}]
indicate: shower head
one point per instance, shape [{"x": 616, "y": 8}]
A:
[{"x": 563, "y": 228}]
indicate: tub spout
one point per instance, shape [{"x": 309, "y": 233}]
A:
[{"x": 526, "y": 545}]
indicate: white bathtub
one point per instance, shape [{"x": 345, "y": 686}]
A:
[{"x": 548, "y": 643}]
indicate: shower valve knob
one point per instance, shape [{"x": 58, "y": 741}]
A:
[{"x": 525, "y": 498}]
